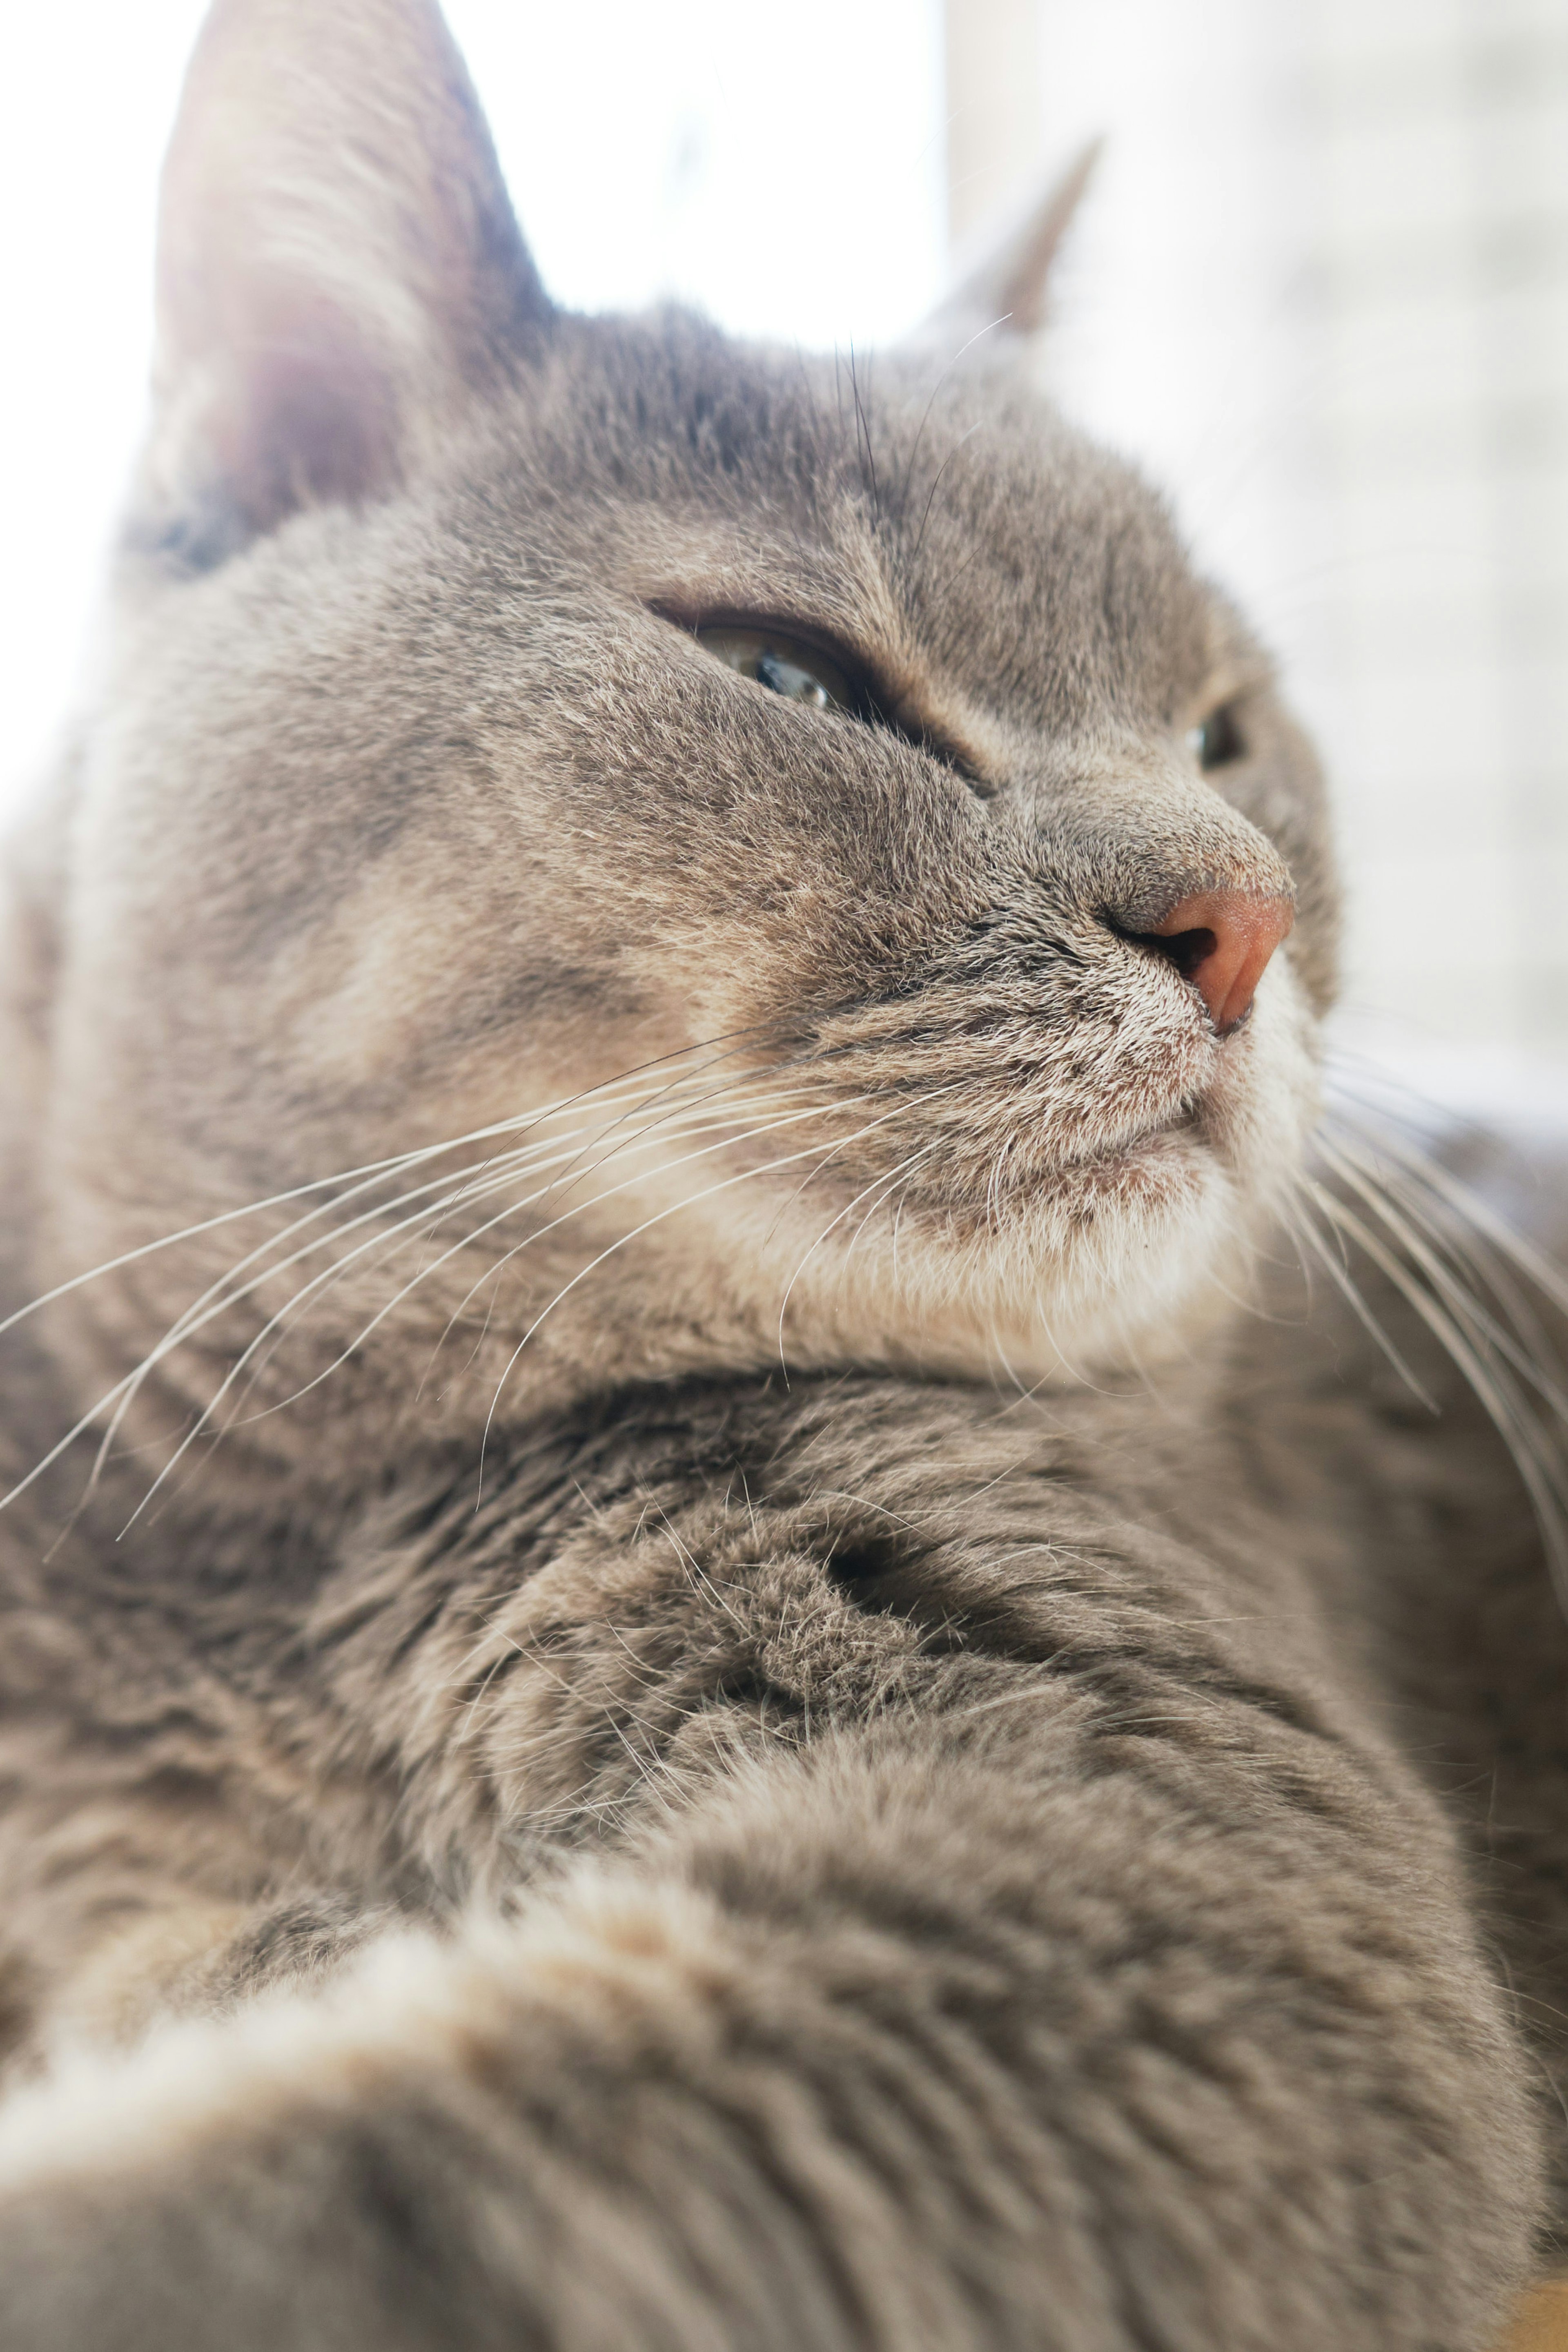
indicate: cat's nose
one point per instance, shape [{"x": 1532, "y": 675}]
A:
[{"x": 1221, "y": 941}]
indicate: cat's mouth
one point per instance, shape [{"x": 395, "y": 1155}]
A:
[
  {"x": 1159, "y": 1160},
  {"x": 1184, "y": 1126},
  {"x": 1080, "y": 1193}
]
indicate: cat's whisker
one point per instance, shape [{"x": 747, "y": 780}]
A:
[
  {"x": 1539, "y": 1464},
  {"x": 672, "y": 1209},
  {"x": 1461, "y": 1224},
  {"x": 667, "y": 1132},
  {"x": 734, "y": 1136},
  {"x": 792, "y": 1198},
  {"x": 514, "y": 1208},
  {"x": 1526, "y": 1356},
  {"x": 895, "y": 1187},
  {"x": 224, "y": 1295},
  {"x": 331, "y": 1273},
  {"x": 1471, "y": 1210},
  {"x": 1333, "y": 1261},
  {"x": 730, "y": 1091},
  {"x": 371, "y": 1172},
  {"x": 221, "y": 1296},
  {"x": 936, "y": 481},
  {"x": 220, "y": 1299},
  {"x": 905, "y": 1169},
  {"x": 501, "y": 1171},
  {"x": 1461, "y": 1298},
  {"x": 725, "y": 1120},
  {"x": 367, "y": 1172},
  {"x": 978, "y": 336}
]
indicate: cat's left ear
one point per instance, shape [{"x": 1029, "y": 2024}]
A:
[
  {"x": 1002, "y": 296},
  {"x": 340, "y": 276}
]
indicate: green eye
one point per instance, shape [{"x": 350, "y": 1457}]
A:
[
  {"x": 782, "y": 665},
  {"x": 1217, "y": 740}
]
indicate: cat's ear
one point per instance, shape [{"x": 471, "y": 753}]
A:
[
  {"x": 1003, "y": 295},
  {"x": 340, "y": 273}
]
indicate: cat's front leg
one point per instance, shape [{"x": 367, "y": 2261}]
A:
[{"x": 905, "y": 2044}]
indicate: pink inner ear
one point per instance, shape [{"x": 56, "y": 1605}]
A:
[
  {"x": 304, "y": 416},
  {"x": 340, "y": 273}
]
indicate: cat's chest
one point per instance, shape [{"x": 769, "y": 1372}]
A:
[{"x": 632, "y": 1614}]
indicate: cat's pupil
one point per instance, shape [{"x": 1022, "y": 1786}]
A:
[
  {"x": 1217, "y": 741},
  {"x": 788, "y": 679},
  {"x": 782, "y": 665}
]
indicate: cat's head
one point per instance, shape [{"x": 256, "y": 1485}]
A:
[{"x": 804, "y": 818}]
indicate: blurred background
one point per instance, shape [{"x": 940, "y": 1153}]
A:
[{"x": 1319, "y": 288}]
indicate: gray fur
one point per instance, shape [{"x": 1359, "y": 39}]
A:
[{"x": 779, "y": 1723}]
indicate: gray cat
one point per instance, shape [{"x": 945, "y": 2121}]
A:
[{"x": 686, "y": 1672}]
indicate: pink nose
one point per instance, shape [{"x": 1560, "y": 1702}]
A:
[{"x": 1221, "y": 941}]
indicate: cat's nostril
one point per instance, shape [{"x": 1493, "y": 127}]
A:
[
  {"x": 1221, "y": 941},
  {"x": 1188, "y": 950}
]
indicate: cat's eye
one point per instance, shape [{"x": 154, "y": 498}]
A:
[
  {"x": 784, "y": 666},
  {"x": 1217, "y": 741},
  {"x": 799, "y": 671}
]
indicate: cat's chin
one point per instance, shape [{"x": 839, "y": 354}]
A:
[
  {"x": 1125, "y": 1264},
  {"x": 1116, "y": 1259}
]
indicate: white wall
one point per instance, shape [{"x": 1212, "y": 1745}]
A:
[{"x": 1439, "y": 129}]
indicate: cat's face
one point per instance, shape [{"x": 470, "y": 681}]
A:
[{"x": 783, "y": 767}]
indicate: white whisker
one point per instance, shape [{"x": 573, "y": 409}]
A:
[
  {"x": 1539, "y": 1464},
  {"x": 331, "y": 1273},
  {"x": 223, "y": 1295},
  {"x": 367, "y": 1172},
  {"x": 905, "y": 1169},
  {"x": 674, "y": 1208}
]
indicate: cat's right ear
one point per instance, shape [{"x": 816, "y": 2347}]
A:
[
  {"x": 340, "y": 276},
  {"x": 1001, "y": 298}
]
